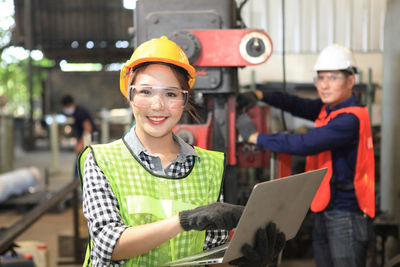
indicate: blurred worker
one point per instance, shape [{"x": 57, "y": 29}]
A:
[
  {"x": 83, "y": 124},
  {"x": 144, "y": 193},
  {"x": 340, "y": 141}
]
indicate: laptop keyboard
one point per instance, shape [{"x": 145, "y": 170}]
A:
[{"x": 216, "y": 255}]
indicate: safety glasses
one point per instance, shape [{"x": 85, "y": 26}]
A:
[
  {"x": 329, "y": 77},
  {"x": 143, "y": 96}
]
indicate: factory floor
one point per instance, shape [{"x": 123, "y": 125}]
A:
[{"x": 58, "y": 223}]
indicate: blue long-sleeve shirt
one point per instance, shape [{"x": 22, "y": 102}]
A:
[{"x": 340, "y": 136}]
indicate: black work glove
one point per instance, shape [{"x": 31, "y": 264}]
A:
[
  {"x": 245, "y": 126},
  {"x": 211, "y": 217},
  {"x": 245, "y": 101},
  {"x": 268, "y": 243}
]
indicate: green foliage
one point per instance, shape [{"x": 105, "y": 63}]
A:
[
  {"x": 14, "y": 89},
  {"x": 14, "y": 84}
]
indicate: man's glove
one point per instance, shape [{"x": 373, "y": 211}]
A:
[
  {"x": 245, "y": 101},
  {"x": 245, "y": 126},
  {"x": 211, "y": 217},
  {"x": 268, "y": 243}
]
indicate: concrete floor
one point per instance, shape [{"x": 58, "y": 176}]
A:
[
  {"x": 52, "y": 225},
  {"x": 46, "y": 230}
]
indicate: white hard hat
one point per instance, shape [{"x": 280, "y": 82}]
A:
[{"x": 336, "y": 57}]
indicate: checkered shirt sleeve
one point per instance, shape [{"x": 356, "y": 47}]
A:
[
  {"x": 101, "y": 210},
  {"x": 100, "y": 207}
]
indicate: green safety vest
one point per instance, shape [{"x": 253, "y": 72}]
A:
[{"x": 144, "y": 197}]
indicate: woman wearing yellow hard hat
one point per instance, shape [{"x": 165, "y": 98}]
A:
[{"x": 149, "y": 197}]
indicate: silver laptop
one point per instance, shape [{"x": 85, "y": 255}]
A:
[{"x": 283, "y": 201}]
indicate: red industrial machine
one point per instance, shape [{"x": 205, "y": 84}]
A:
[
  {"x": 250, "y": 155},
  {"x": 212, "y": 35}
]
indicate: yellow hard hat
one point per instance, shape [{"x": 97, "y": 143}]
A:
[{"x": 156, "y": 50}]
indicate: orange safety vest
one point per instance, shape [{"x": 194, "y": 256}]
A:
[{"x": 364, "y": 178}]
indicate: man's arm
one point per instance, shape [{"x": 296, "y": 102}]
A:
[
  {"x": 87, "y": 129},
  {"x": 301, "y": 107},
  {"x": 305, "y": 108},
  {"x": 339, "y": 132}
]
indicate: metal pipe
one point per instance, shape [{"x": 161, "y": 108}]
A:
[
  {"x": 29, "y": 45},
  {"x": 390, "y": 153},
  {"x": 6, "y": 143},
  {"x": 273, "y": 163},
  {"x": 369, "y": 94},
  {"x": 77, "y": 250},
  {"x": 54, "y": 143},
  {"x": 8, "y": 237},
  {"x": 18, "y": 182},
  {"x": 105, "y": 126}
]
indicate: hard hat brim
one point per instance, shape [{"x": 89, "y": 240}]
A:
[{"x": 124, "y": 75}]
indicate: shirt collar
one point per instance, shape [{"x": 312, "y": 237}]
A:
[
  {"x": 351, "y": 101},
  {"x": 134, "y": 144}
]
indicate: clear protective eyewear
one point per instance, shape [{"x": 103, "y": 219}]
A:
[
  {"x": 143, "y": 96},
  {"x": 329, "y": 77}
]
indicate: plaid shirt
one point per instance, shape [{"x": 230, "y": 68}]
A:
[{"x": 100, "y": 206}]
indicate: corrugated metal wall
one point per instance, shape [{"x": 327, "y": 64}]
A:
[
  {"x": 310, "y": 25},
  {"x": 76, "y": 30}
]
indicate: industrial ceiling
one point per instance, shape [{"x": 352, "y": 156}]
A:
[{"x": 75, "y": 30}]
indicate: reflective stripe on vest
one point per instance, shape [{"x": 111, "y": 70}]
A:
[
  {"x": 364, "y": 178},
  {"x": 145, "y": 198}
]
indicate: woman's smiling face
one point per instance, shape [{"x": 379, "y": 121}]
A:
[{"x": 158, "y": 119}]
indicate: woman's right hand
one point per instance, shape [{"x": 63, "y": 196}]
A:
[{"x": 211, "y": 217}]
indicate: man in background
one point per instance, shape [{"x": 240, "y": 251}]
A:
[
  {"x": 340, "y": 141},
  {"x": 83, "y": 125}
]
